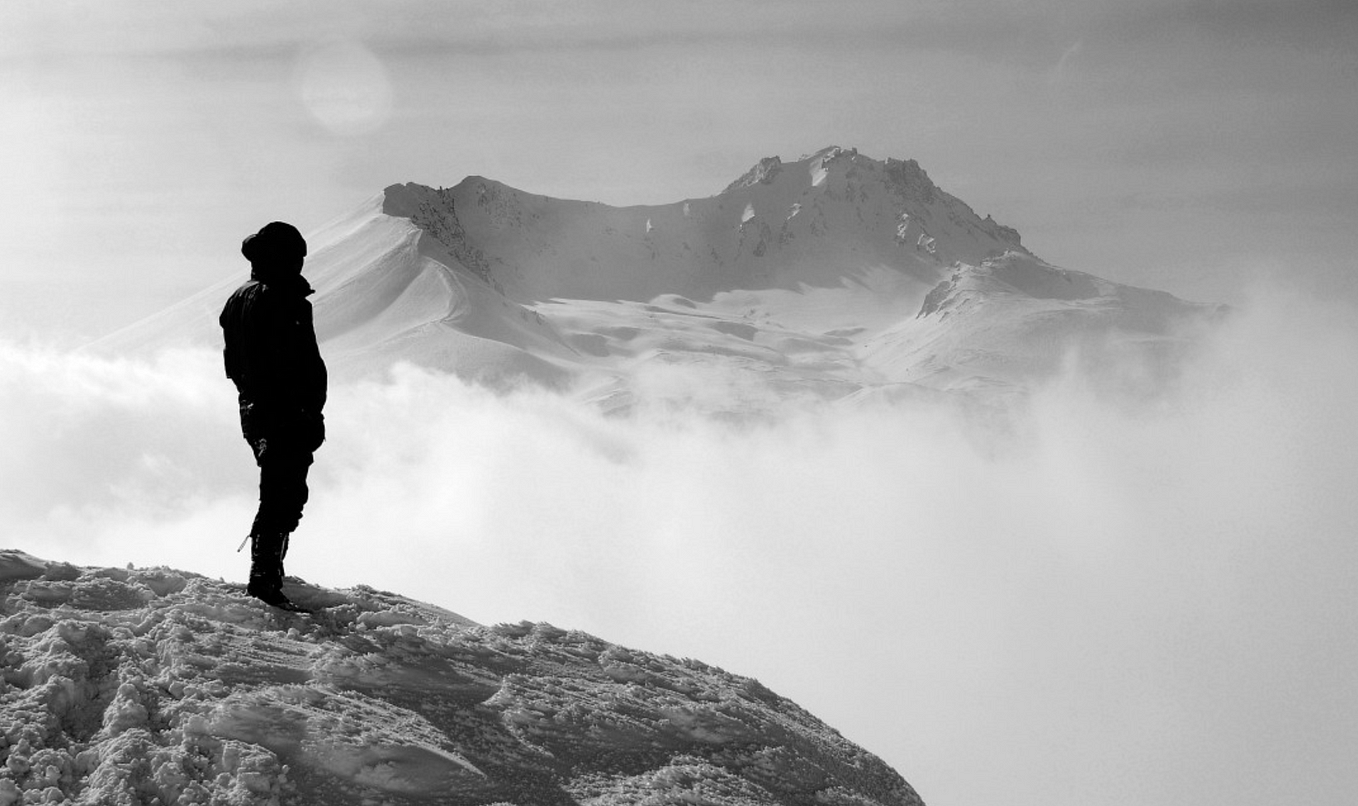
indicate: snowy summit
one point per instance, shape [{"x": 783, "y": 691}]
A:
[
  {"x": 836, "y": 276},
  {"x": 154, "y": 686}
]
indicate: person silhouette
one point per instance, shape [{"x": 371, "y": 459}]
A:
[{"x": 272, "y": 357}]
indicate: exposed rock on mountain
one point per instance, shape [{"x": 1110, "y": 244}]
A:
[
  {"x": 140, "y": 686},
  {"x": 761, "y": 174}
]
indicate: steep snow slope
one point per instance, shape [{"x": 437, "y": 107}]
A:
[
  {"x": 139, "y": 686},
  {"x": 833, "y": 276},
  {"x": 385, "y": 291}
]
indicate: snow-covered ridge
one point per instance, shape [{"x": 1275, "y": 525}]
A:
[
  {"x": 762, "y": 173},
  {"x": 824, "y": 218},
  {"x": 832, "y": 277},
  {"x": 420, "y": 261},
  {"x": 158, "y": 686}
]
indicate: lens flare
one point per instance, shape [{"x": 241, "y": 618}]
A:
[{"x": 344, "y": 87}]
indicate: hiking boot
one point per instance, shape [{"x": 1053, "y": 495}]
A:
[{"x": 266, "y": 571}]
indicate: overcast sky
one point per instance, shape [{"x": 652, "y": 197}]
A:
[{"x": 1189, "y": 145}]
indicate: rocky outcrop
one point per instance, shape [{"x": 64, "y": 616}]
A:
[
  {"x": 434, "y": 211},
  {"x": 763, "y": 173}
]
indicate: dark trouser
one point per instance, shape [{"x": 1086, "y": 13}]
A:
[{"x": 283, "y": 467}]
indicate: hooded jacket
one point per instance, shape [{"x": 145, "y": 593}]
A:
[{"x": 272, "y": 357}]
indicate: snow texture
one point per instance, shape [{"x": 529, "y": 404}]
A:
[{"x": 141, "y": 686}]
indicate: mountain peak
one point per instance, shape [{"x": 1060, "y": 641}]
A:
[
  {"x": 829, "y": 153},
  {"x": 155, "y": 685},
  {"x": 762, "y": 173},
  {"x": 406, "y": 200}
]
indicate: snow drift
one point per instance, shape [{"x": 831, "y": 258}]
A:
[{"x": 157, "y": 686}]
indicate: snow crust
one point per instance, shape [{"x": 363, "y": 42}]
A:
[{"x": 139, "y": 686}]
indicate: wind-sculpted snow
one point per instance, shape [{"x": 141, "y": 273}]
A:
[{"x": 138, "y": 686}]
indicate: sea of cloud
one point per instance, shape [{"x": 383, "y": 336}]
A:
[{"x": 1105, "y": 598}]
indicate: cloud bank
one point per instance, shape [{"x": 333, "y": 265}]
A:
[{"x": 1106, "y": 600}]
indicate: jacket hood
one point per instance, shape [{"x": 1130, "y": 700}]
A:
[
  {"x": 276, "y": 254},
  {"x": 275, "y": 241}
]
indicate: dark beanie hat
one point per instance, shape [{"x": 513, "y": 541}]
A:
[{"x": 275, "y": 240}]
